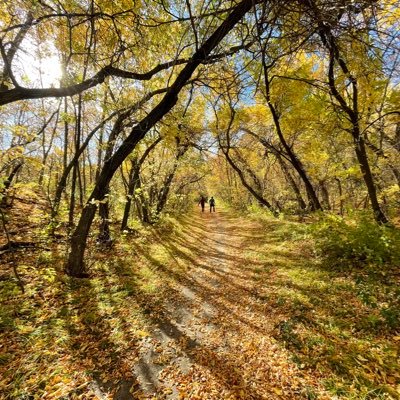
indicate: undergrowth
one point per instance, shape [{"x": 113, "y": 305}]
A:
[
  {"x": 332, "y": 297},
  {"x": 357, "y": 241},
  {"x": 336, "y": 284}
]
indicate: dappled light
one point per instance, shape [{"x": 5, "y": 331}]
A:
[
  {"x": 206, "y": 306},
  {"x": 200, "y": 200}
]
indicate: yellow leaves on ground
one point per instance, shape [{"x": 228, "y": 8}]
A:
[
  {"x": 142, "y": 334},
  {"x": 215, "y": 307}
]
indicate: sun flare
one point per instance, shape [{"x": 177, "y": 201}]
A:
[{"x": 38, "y": 70}]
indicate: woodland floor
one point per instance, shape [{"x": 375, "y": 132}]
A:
[{"x": 212, "y": 306}]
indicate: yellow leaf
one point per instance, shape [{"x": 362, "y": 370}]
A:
[
  {"x": 26, "y": 328},
  {"x": 142, "y": 334},
  {"x": 277, "y": 391}
]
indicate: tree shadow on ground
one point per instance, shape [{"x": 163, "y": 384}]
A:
[
  {"x": 316, "y": 322},
  {"x": 224, "y": 369},
  {"x": 101, "y": 344}
]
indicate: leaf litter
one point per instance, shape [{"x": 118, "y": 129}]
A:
[{"x": 220, "y": 307}]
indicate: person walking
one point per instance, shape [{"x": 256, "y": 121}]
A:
[
  {"x": 202, "y": 203},
  {"x": 212, "y": 204}
]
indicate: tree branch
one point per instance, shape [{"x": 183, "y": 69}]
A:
[{"x": 21, "y": 93}]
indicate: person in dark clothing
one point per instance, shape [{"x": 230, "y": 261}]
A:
[
  {"x": 202, "y": 202},
  {"x": 212, "y": 204}
]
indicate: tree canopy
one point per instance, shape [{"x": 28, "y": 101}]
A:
[{"x": 293, "y": 105}]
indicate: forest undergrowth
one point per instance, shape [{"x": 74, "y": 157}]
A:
[{"x": 204, "y": 306}]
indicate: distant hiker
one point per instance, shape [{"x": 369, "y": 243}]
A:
[
  {"x": 202, "y": 202},
  {"x": 212, "y": 204}
]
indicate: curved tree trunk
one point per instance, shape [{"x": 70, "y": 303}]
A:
[
  {"x": 75, "y": 265},
  {"x": 279, "y": 156},
  {"x": 362, "y": 158},
  {"x": 8, "y": 181},
  {"x": 134, "y": 183},
  {"x": 291, "y": 182},
  {"x": 349, "y": 106},
  {"x": 379, "y": 152},
  {"x": 297, "y": 164},
  {"x": 257, "y": 196}
]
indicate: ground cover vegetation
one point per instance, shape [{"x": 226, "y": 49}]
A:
[{"x": 117, "y": 116}]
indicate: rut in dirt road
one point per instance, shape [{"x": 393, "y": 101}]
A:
[{"x": 214, "y": 336}]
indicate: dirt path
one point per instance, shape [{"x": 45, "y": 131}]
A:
[
  {"x": 213, "y": 306},
  {"x": 214, "y": 338}
]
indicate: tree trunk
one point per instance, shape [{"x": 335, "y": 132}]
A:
[
  {"x": 250, "y": 172},
  {"x": 104, "y": 235},
  {"x": 396, "y": 173},
  {"x": 257, "y": 196},
  {"x": 142, "y": 203},
  {"x": 75, "y": 265},
  {"x": 163, "y": 196},
  {"x": 80, "y": 184},
  {"x": 127, "y": 211},
  {"x": 325, "y": 195},
  {"x": 62, "y": 183},
  {"x": 75, "y": 171},
  {"x": 349, "y": 106},
  {"x": 341, "y": 201},
  {"x": 361, "y": 153},
  {"x": 297, "y": 164},
  {"x": 129, "y": 194},
  {"x": 134, "y": 183},
  {"x": 8, "y": 181},
  {"x": 72, "y": 197},
  {"x": 66, "y": 134},
  {"x": 291, "y": 181}
]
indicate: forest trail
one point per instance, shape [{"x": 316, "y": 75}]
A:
[
  {"x": 200, "y": 307},
  {"x": 214, "y": 338}
]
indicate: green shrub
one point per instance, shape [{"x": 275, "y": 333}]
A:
[
  {"x": 358, "y": 242},
  {"x": 391, "y": 316}
]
